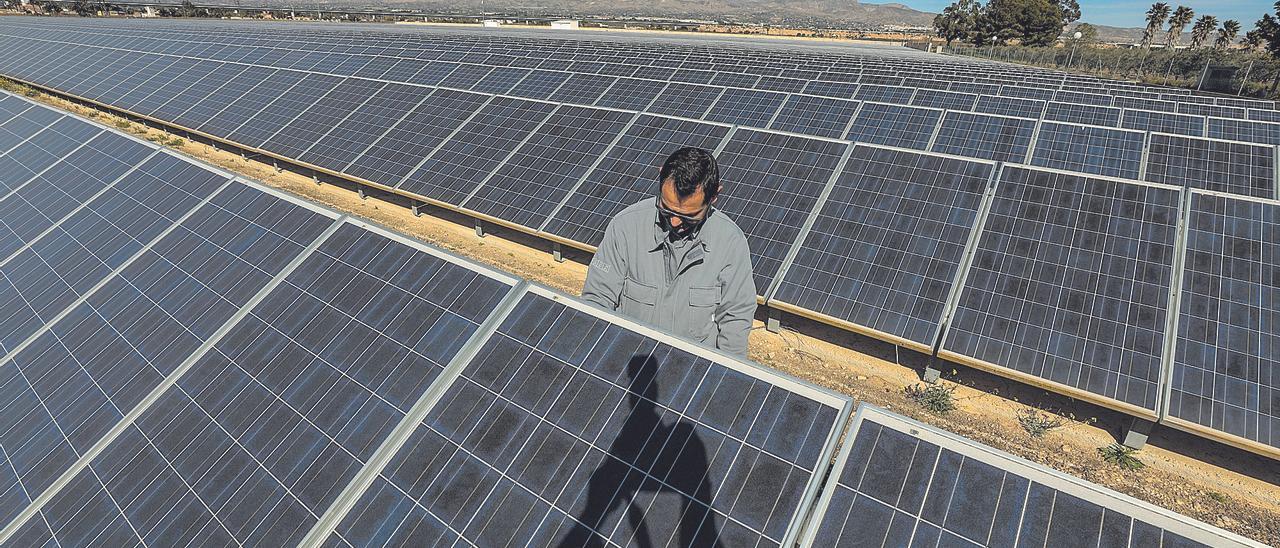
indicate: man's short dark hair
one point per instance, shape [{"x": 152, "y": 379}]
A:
[{"x": 691, "y": 168}]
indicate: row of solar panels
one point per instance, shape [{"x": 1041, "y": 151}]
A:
[
  {"x": 785, "y": 77},
  {"x": 919, "y": 118},
  {"x": 191, "y": 358},
  {"x": 506, "y": 48},
  {"x": 898, "y": 244}
]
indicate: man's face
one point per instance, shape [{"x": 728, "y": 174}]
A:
[{"x": 692, "y": 208}]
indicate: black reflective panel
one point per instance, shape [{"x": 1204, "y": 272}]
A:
[
  {"x": 884, "y": 250},
  {"x": 532, "y": 182},
  {"x": 985, "y": 136},
  {"x": 1070, "y": 283},
  {"x": 566, "y": 430},
  {"x": 629, "y": 174},
  {"x": 1226, "y": 350},
  {"x": 1089, "y": 149},
  {"x": 1239, "y": 168},
  {"x": 464, "y": 161}
]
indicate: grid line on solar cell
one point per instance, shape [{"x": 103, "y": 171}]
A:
[
  {"x": 404, "y": 147},
  {"x": 1224, "y": 357},
  {"x": 458, "y": 166},
  {"x": 628, "y": 174},
  {"x": 533, "y": 181},
  {"x": 902, "y": 483},
  {"x": 984, "y": 136},
  {"x": 885, "y": 248},
  {"x": 773, "y": 181},
  {"x": 1069, "y": 284},
  {"x": 1239, "y": 168},
  {"x": 821, "y": 116},
  {"x": 528, "y": 423},
  {"x": 894, "y": 125},
  {"x": 328, "y": 287},
  {"x": 1089, "y": 149},
  {"x": 687, "y": 100},
  {"x": 745, "y": 107}
]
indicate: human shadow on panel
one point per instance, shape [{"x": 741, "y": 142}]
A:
[{"x": 670, "y": 450}]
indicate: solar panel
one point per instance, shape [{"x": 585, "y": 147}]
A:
[
  {"x": 985, "y": 136},
  {"x": 948, "y": 100},
  {"x": 276, "y": 391},
  {"x": 894, "y": 125},
  {"x": 784, "y": 85},
  {"x": 628, "y": 174},
  {"x": 539, "y": 84},
  {"x": 465, "y": 76},
  {"x": 1089, "y": 149},
  {"x": 529, "y": 185},
  {"x": 110, "y": 350},
  {"x": 583, "y": 89},
  {"x": 1083, "y": 114},
  {"x": 730, "y": 79},
  {"x": 1224, "y": 166},
  {"x": 884, "y": 250},
  {"x": 500, "y": 80},
  {"x": 1010, "y": 106},
  {"x": 772, "y": 183},
  {"x": 839, "y": 90},
  {"x": 252, "y": 102},
  {"x": 630, "y": 94},
  {"x": 1144, "y": 104},
  {"x": 1224, "y": 357},
  {"x": 1083, "y": 98},
  {"x": 687, "y": 100},
  {"x": 821, "y": 116},
  {"x": 899, "y": 482},
  {"x": 261, "y": 125},
  {"x": 572, "y": 427},
  {"x": 462, "y": 162},
  {"x": 1212, "y": 110},
  {"x": 205, "y": 84},
  {"x": 1069, "y": 286},
  {"x": 315, "y": 123},
  {"x": 202, "y": 110},
  {"x": 137, "y": 98},
  {"x": 402, "y": 148},
  {"x": 351, "y": 138},
  {"x": 1163, "y": 122},
  {"x": 1243, "y": 130},
  {"x": 1264, "y": 115},
  {"x": 746, "y": 107},
  {"x": 884, "y": 94}
]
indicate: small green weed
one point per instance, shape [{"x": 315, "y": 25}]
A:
[
  {"x": 1038, "y": 424},
  {"x": 936, "y": 398},
  {"x": 1121, "y": 456}
]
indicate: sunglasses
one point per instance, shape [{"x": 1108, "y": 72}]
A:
[{"x": 667, "y": 214}]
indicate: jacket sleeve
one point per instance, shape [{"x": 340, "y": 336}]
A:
[
  {"x": 606, "y": 272},
  {"x": 737, "y": 302}
]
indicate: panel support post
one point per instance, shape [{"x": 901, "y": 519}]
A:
[
  {"x": 360, "y": 191},
  {"x": 931, "y": 373},
  {"x": 1135, "y": 435},
  {"x": 557, "y": 252},
  {"x": 276, "y": 164},
  {"x": 773, "y": 320},
  {"x": 416, "y": 208},
  {"x": 479, "y": 229}
]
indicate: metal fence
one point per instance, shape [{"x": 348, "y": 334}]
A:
[{"x": 1234, "y": 72}]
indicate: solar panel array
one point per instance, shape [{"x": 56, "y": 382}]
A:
[
  {"x": 881, "y": 190},
  {"x": 194, "y": 358},
  {"x": 902, "y": 483}
]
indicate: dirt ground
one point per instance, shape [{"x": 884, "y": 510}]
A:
[{"x": 1212, "y": 482}]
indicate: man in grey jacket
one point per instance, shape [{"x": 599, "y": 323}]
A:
[{"x": 676, "y": 262}]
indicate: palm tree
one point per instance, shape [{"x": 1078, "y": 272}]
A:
[
  {"x": 1155, "y": 20},
  {"x": 1200, "y": 32},
  {"x": 1178, "y": 21},
  {"x": 1227, "y": 34}
]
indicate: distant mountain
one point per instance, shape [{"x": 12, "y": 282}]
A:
[
  {"x": 1120, "y": 35},
  {"x": 789, "y": 12}
]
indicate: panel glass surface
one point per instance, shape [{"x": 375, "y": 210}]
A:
[
  {"x": 1089, "y": 149},
  {"x": 1224, "y": 166}
]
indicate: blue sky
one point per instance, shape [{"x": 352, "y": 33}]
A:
[{"x": 1129, "y": 13}]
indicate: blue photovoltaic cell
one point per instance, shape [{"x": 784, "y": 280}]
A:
[
  {"x": 59, "y": 190},
  {"x": 1243, "y": 130},
  {"x": 567, "y": 430},
  {"x": 396, "y": 154},
  {"x": 1089, "y": 149},
  {"x": 358, "y": 132},
  {"x": 1212, "y": 110},
  {"x": 251, "y": 103},
  {"x": 894, "y": 125},
  {"x": 839, "y": 90},
  {"x": 77, "y": 380},
  {"x": 1223, "y": 166},
  {"x": 1010, "y": 106},
  {"x": 173, "y": 89},
  {"x": 687, "y": 100},
  {"x": 143, "y": 97},
  {"x": 1070, "y": 283},
  {"x": 583, "y": 89},
  {"x": 200, "y": 113},
  {"x": 745, "y": 107},
  {"x": 315, "y": 123},
  {"x": 25, "y": 161},
  {"x": 884, "y": 94},
  {"x": 208, "y": 84},
  {"x": 630, "y": 94},
  {"x": 821, "y": 116},
  {"x": 319, "y": 373},
  {"x": 1225, "y": 354},
  {"x": 539, "y": 84},
  {"x": 477, "y": 149},
  {"x": 1163, "y": 122},
  {"x": 536, "y": 178},
  {"x": 1095, "y": 115},
  {"x": 465, "y": 76},
  {"x": 985, "y": 136},
  {"x": 628, "y": 174},
  {"x": 771, "y": 185},
  {"x": 44, "y": 279},
  {"x": 500, "y": 80},
  {"x": 909, "y": 484},
  {"x": 261, "y": 125},
  {"x": 950, "y": 100},
  {"x": 885, "y": 248}
]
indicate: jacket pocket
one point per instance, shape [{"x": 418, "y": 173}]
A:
[
  {"x": 638, "y": 300},
  {"x": 699, "y": 324}
]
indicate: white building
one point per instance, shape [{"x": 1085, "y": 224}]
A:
[{"x": 564, "y": 24}]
